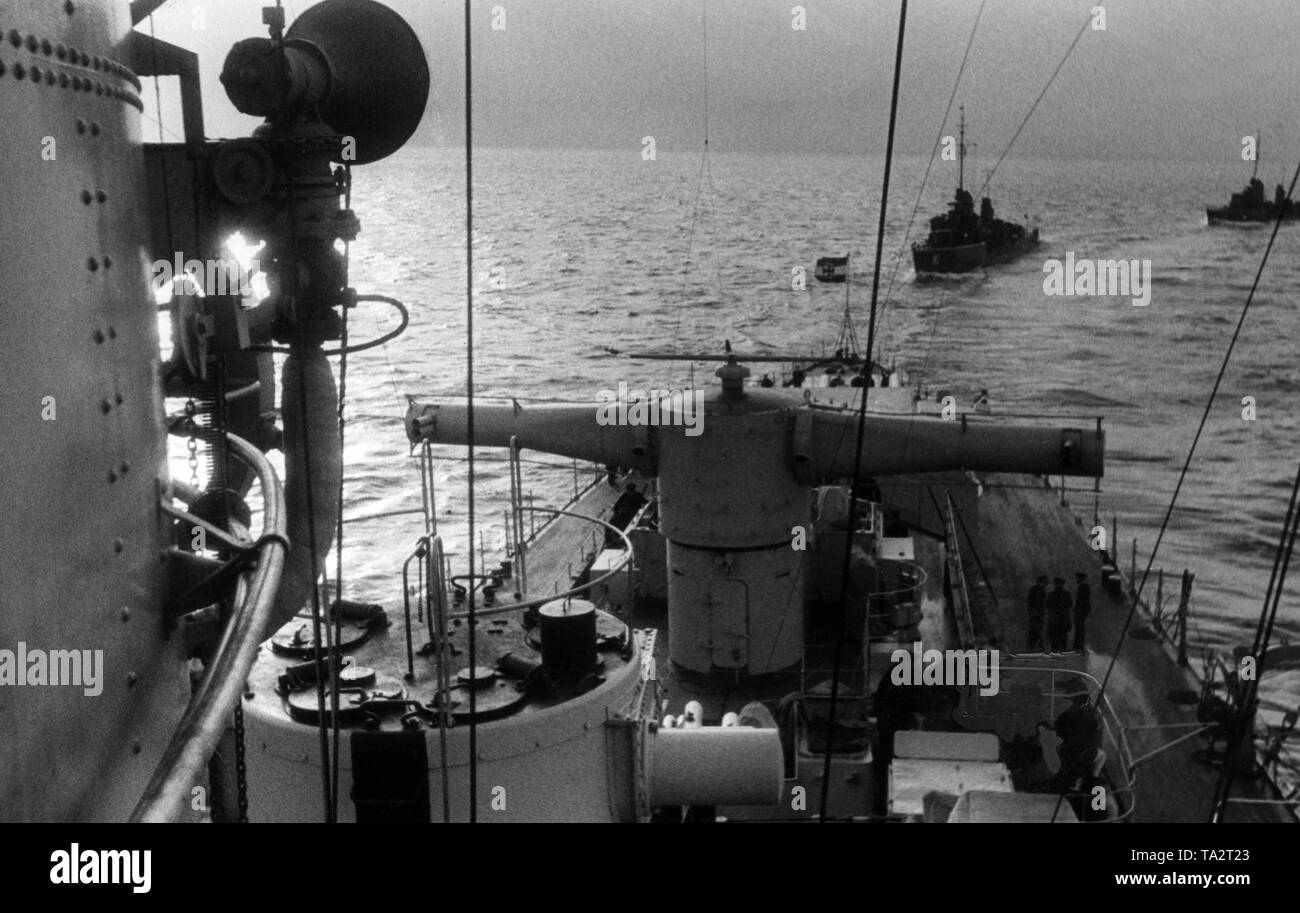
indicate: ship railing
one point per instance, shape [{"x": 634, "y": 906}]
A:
[
  {"x": 432, "y": 601},
  {"x": 889, "y": 611},
  {"x": 522, "y": 527},
  {"x": 1170, "y": 626},
  {"x": 185, "y": 760},
  {"x": 817, "y": 671},
  {"x": 961, "y": 601},
  {"x": 524, "y": 522},
  {"x": 1062, "y": 686},
  {"x": 472, "y": 585},
  {"x": 434, "y": 578}
]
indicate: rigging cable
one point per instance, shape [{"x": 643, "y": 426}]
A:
[
  {"x": 1265, "y": 625},
  {"x": 988, "y": 177},
  {"x": 1200, "y": 428},
  {"x": 706, "y": 171},
  {"x": 1245, "y": 706},
  {"x": 911, "y": 220},
  {"x": 1182, "y": 475},
  {"x": 862, "y": 417},
  {"x": 469, "y": 413}
]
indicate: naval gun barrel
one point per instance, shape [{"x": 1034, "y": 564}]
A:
[
  {"x": 821, "y": 442},
  {"x": 907, "y": 444},
  {"x": 563, "y": 430}
]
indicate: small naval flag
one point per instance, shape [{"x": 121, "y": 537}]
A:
[{"x": 832, "y": 269}]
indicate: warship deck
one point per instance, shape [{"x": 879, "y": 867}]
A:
[
  {"x": 1015, "y": 520},
  {"x": 1018, "y": 518}
]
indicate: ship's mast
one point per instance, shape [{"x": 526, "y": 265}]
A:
[
  {"x": 1255, "y": 171},
  {"x": 847, "y": 341},
  {"x": 961, "y": 153}
]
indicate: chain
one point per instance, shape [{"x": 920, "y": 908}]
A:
[
  {"x": 241, "y": 768},
  {"x": 192, "y": 444}
]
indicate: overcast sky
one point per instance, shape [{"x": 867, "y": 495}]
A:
[{"x": 1167, "y": 78}]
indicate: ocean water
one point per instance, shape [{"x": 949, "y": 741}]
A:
[{"x": 577, "y": 250}]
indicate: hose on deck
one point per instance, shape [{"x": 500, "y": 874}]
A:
[{"x": 185, "y": 761}]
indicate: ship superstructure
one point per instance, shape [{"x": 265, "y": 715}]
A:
[
  {"x": 963, "y": 239},
  {"x": 757, "y": 608}
]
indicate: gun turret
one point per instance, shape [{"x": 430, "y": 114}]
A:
[{"x": 733, "y": 469}]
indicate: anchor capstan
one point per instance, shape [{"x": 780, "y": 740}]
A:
[{"x": 733, "y": 469}]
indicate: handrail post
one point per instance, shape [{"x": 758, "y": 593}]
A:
[
  {"x": 1133, "y": 570},
  {"x": 517, "y": 510},
  {"x": 1160, "y": 595},
  {"x": 1183, "y": 599},
  {"x": 1096, "y": 489}
]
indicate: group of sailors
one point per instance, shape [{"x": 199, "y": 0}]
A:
[
  {"x": 844, "y": 369},
  {"x": 1057, "y": 609}
]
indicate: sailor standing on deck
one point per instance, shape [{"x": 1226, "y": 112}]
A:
[
  {"x": 1037, "y": 611},
  {"x": 1082, "y": 606},
  {"x": 1058, "y": 617}
]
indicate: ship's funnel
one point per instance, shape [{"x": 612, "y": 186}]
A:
[{"x": 353, "y": 64}]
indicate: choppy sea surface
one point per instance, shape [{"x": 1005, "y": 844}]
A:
[{"x": 577, "y": 250}]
